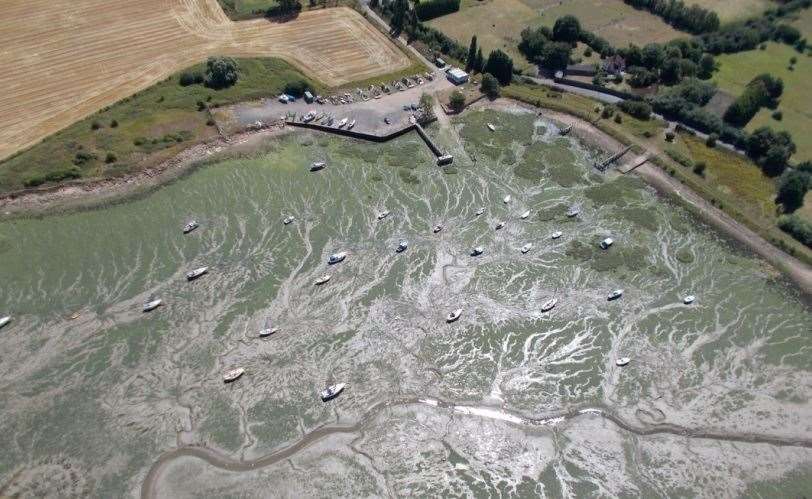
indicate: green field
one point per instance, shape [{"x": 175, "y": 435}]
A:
[
  {"x": 245, "y": 9},
  {"x": 735, "y": 10},
  {"x": 151, "y": 126},
  {"x": 499, "y": 23},
  {"x": 736, "y": 70}
]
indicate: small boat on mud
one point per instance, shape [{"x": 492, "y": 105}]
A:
[
  {"x": 264, "y": 333},
  {"x": 190, "y": 227},
  {"x": 233, "y": 375},
  {"x": 318, "y": 165},
  {"x": 506, "y": 199},
  {"x": 527, "y": 247},
  {"x": 491, "y": 127},
  {"x": 342, "y": 123},
  {"x": 556, "y": 234},
  {"x": 332, "y": 391},
  {"x": 614, "y": 295},
  {"x": 151, "y": 305},
  {"x": 402, "y": 245},
  {"x": 500, "y": 225},
  {"x": 623, "y": 361},
  {"x": 383, "y": 214},
  {"x": 4, "y": 320},
  {"x": 525, "y": 215},
  {"x": 194, "y": 274},
  {"x": 323, "y": 279},
  {"x": 606, "y": 243},
  {"x": 688, "y": 299},
  {"x": 480, "y": 211},
  {"x": 477, "y": 251},
  {"x": 453, "y": 315},
  {"x": 548, "y": 305},
  {"x": 337, "y": 257},
  {"x": 350, "y": 125},
  {"x": 437, "y": 228},
  {"x": 573, "y": 211},
  {"x": 288, "y": 220}
]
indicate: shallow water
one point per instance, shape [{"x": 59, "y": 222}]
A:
[{"x": 90, "y": 403}]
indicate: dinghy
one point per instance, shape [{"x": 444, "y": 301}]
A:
[
  {"x": 556, "y": 234},
  {"x": 383, "y": 214},
  {"x": 194, "y": 274},
  {"x": 402, "y": 245},
  {"x": 288, "y": 220},
  {"x": 190, "y": 227},
  {"x": 614, "y": 295},
  {"x": 480, "y": 211},
  {"x": 607, "y": 242},
  {"x": 506, "y": 200},
  {"x": 337, "y": 257},
  {"x": 233, "y": 374},
  {"x": 688, "y": 299},
  {"x": 437, "y": 228},
  {"x": 500, "y": 225},
  {"x": 525, "y": 215},
  {"x": 342, "y": 123},
  {"x": 4, "y": 320},
  {"x": 491, "y": 127},
  {"x": 152, "y": 305},
  {"x": 350, "y": 125},
  {"x": 332, "y": 391},
  {"x": 623, "y": 361},
  {"x": 548, "y": 305},
  {"x": 264, "y": 333},
  {"x": 573, "y": 211},
  {"x": 318, "y": 165},
  {"x": 454, "y": 315},
  {"x": 527, "y": 247},
  {"x": 323, "y": 279},
  {"x": 477, "y": 251}
]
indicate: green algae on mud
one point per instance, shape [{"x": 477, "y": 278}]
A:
[{"x": 135, "y": 384}]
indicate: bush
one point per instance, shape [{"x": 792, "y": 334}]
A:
[
  {"x": 699, "y": 168},
  {"x": 763, "y": 90},
  {"x": 500, "y": 65},
  {"x": 797, "y": 227},
  {"x": 711, "y": 140},
  {"x": 679, "y": 158},
  {"x": 618, "y": 118},
  {"x": 691, "y": 18},
  {"x": 567, "y": 29},
  {"x": 110, "y": 158},
  {"x": 221, "y": 72},
  {"x": 297, "y": 88},
  {"x": 54, "y": 176},
  {"x": 669, "y": 136},
  {"x": 114, "y": 124},
  {"x": 608, "y": 111},
  {"x": 638, "y": 109},
  {"x": 95, "y": 125},
  {"x": 489, "y": 86},
  {"x": 587, "y": 52},
  {"x": 457, "y": 101},
  {"x": 778, "y": 115},
  {"x": 791, "y": 190},
  {"x": 210, "y": 122},
  {"x": 83, "y": 157},
  {"x": 429, "y": 9},
  {"x": 190, "y": 78}
]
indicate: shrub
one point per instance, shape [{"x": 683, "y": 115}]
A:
[
  {"x": 95, "y": 125},
  {"x": 797, "y": 227},
  {"x": 114, "y": 124},
  {"x": 500, "y": 65},
  {"x": 762, "y": 90},
  {"x": 83, "y": 157},
  {"x": 457, "y": 101},
  {"x": 489, "y": 86},
  {"x": 110, "y": 158},
  {"x": 587, "y": 52},
  {"x": 792, "y": 188},
  {"x": 647, "y": 134},
  {"x": 679, "y": 158},
  {"x": 711, "y": 140},
  {"x": 669, "y": 136},
  {"x": 297, "y": 88},
  {"x": 608, "y": 111},
  {"x": 618, "y": 118},
  {"x": 778, "y": 115},
  {"x": 190, "y": 78},
  {"x": 638, "y": 109},
  {"x": 210, "y": 122},
  {"x": 699, "y": 168},
  {"x": 201, "y": 106},
  {"x": 221, "y": 72}
]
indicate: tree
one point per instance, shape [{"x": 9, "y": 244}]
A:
[
  {"x": 706, "y": 66},
  {"x": 284, "y": 7},
  {"x": 566, "y": 29},
  {"x": 555, "y": 56},
  {"x": 805, "y": 167},
  {"x": 671, "y": 72},
  {"x": 653, "y": 56},
  {"x": 797, "y": 227},
  {"x": 221, "y": 72},
  {"x": 775, "y": 160},
  {"x": 699, "y": 168},
  {"x": 792, "y": 189},
  {"x": 489, "y": 86},
  {"x": 399, "y": 11},
  {"x": 479, "y": 64},
  {"x": 457, "y": 101},
  {"x": 471, "y": 59},
  {"x": 500, "y": 65}
]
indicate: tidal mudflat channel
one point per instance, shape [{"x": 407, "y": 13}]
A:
[{"x": 97, "y": 396}]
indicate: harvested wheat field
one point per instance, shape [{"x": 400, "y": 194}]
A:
[{"x": 64, "y": 59}]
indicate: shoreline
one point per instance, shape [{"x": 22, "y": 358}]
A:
[{"x": 98, "y": 193}]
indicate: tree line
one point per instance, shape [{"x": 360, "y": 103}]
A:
[
  {"x": 693, "y": 19},
  {"x": 429, "y": 9}
]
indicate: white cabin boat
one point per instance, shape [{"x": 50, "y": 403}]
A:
[
  {"x": 437, "y": 228},
  {"x": 342, "y": 123},
  {"x": 453, "y": 315},
  {"x": 288, "y": 220},
  {"x": 623, "y": 361},
  {"x": 233, "y": 374},
  {"x": 383, "y": 214},
  {"x": 4, "y": 320},
  {"x": 607, "y": 242},
  {"x": 318, "y": 165},
  {"x": 573, "y": 211},
  {"x": 477, "y": 251},
  {"x": 556, "y": 234},
  {"x": 332, "y": 391},
  {"x": 491, "y": 127},
  {"x": 527, "y": 247},
  {"x": 194, "y": 274},
  {"x": 688, "y": 299},
  {"x": 402, "y": 245},
  {"x": 192, "y": 225},
  {"x": 264, "y": 333},
  {"x": 525, "y": 215},
  {"x": 337, "y": 257},
  {"x": 350, "y": 125},
  {"x": 548, "y": 305},
  {"x": 152, "y": 305},
  {"x": 507, "y": 199},
  {"x": 323, "y": 279},
  {"x": 614, "y": 295}
]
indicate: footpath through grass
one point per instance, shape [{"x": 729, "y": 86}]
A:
[{"x": 731, "y": 182}]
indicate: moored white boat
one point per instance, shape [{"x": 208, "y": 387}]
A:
[
  {"x": 556, "y": 234},
  {"x": 500, "y": 225},
  {"x": 525, "y": 215},
  {"x": 548, "y": 305},
  {"x": 152, "y": 305},
  {"x": 614, "y": 295},
  {"x": 194, "y": 274},
  {"x": 189, "y": 227},
  {"x": 527, "y": 247},
  {"x": 491, "y": 127},
  {"x": 606, "y": 243},
  {"x": 233, "y": 374},
  {"x": 317, "y": 165},
  {"x": 437, "y": 228},
  {"x": 383, "y": 214},
  {"x": 4, "y": 320},
  {"x": 453, "y": 315},
  {"x": 337, "y": 257},
  {"x": 480, "y": 211},
  {"x": 402, "y": 245},
  {"x": 477, "y": 251},
  {"x": 350, "y": 125},
  {"x": 688, "y": 299},
  {"x": 263, "y": 333},
  {"x": 288, "y": 219},
  {"x": 507, "y": 199},
  {"x": 332, "y": 391},
  {"x": 342, "y": 123},
  {"x": 623, "y": 361},
  {"x": 323, "y": 279},
  {"x": 573, "y": 211}
]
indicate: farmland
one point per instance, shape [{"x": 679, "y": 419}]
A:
[
  {"x": 498, "y": 23},
  {"x": 734, "y": 10},
  {"x": 65, "y": 59},
  {"x": 736, "y": 70}
]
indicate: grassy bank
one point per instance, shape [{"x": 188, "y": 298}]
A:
[
  {"x": 731, "y": 182},
  {"x": 242, "y": 10}
]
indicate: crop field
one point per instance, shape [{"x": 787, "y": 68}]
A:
[
  {"x": 498, "y": 23},
  {"x": 65, "y": 59},
  {"x": 736, "y": 70}
]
